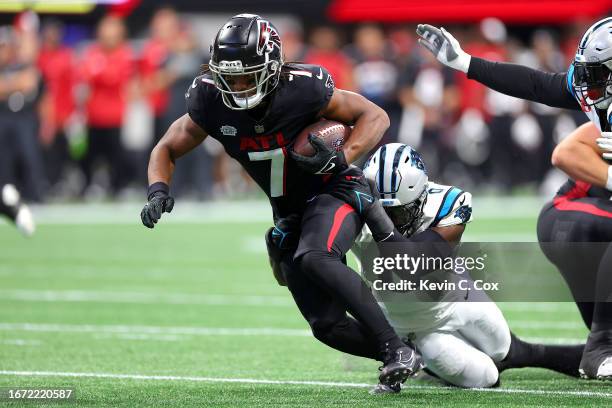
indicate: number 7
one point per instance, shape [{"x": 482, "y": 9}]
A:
[{"x": 277, "y": 168}]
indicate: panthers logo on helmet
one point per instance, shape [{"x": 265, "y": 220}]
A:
[{"x": 416, "y": 161}]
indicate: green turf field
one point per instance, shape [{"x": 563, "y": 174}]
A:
[{"x": 190, "y": 315}]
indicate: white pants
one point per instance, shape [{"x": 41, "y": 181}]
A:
[{"x": 464, "y": 349}]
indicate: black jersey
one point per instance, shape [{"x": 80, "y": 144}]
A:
[{"x": 260, "y": 144}]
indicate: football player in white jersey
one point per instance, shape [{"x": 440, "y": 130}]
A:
[{"x": 464, "y": 343}]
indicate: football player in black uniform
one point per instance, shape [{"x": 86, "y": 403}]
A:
[
  {"x": 573, "y": 215},
  {"x": 575, "y": 231},
  {"x": 256, "y": 105}
]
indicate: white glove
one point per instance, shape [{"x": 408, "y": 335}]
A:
[
  {"x": 605, "y": 143},
  {"x": 444, "y": 47}
]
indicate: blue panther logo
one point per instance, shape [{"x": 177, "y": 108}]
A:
[
  {"x": 416, "y": 161},
  {"x": 464, "y": 213}
]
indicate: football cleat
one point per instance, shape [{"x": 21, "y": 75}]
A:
[
  {"x": 16, "y": 210},
  {"x": 386, "y": 389},
  {"x": 596, "y": 360},
  {"x": 604, "y": 372},
  {"x": 398, "y": 366}
]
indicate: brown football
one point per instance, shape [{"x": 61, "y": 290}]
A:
[{"x": 333, "y": 133}]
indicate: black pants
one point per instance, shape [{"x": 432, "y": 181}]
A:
[
  {"x": 21, "y": 160},
  {"x": 105, "y": 144},
  {"x": 576, "y": 236},
  {"x": 325, "y": 289}
]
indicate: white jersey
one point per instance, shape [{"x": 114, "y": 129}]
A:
[{"x": 445, "y": 206}]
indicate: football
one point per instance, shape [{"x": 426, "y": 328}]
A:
[{"x": 333, "y": 133}]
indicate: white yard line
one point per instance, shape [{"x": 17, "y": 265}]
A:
[
  {"x": 289, "y": 382},
  {"x": 562, "y": 307},
  {"x": 144, "y": 298},
  {"x": 548, "y": 325},
  {"x": 125, "y": 329},
  {"x": 219, "y": 299},
  {"x": 233, "y": 212},
  {"x": 162, "y": 333},
  {"x": 21, "y": 342}
]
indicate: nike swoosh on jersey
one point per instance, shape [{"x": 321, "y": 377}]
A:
[{"x": 320, "y": 76}]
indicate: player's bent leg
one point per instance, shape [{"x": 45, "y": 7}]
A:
[
  {"x": 485, "y": 327},
  {"x": 597, "y": 358},
  {"x": 559, "y": 235},
  {"x": 455, "y": 361},
  {"x": 329, "y": 228},
  {"x": 326, "y": 316}
]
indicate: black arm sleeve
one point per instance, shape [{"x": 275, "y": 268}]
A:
[{"x": 522, "y": 82}]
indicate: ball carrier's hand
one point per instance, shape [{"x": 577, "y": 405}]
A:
[
  {"x": 159, "y": 202},
  {"x": 355, "y": 189},
  {"x": 326, "y": 160},
  {"x": 444, "y": 47}
]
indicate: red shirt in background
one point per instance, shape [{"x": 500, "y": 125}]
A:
[
  {"x": 108, "y": 74},
  {"x": 154, "y": 55},
  {"x": 57, "y": 68},
  {"x": 473, "y": 93},
  {"x": 339, "y": 66}
]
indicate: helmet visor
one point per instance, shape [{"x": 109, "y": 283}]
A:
[
  {"x": 407, "y": 217},
  {"x": 591, "y": 81},
  {"x": 242, "y": 88}
]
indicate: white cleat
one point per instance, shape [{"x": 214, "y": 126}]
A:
[
  {"x": 604, "y": 372},
  {"x": 25, "y": 221},
  {"x": 16, "y": 210}
]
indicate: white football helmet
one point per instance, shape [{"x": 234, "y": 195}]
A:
[
  {"x": 400, "y": 177},
  {"x": 591, "y": 71}
]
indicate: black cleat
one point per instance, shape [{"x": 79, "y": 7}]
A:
[
  {"x": 386, "y": 389},
  {"x": 399, "y": 365},
  {"x": 596, "y": 360}
]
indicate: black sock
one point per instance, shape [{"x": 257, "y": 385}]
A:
[
  {"x": 602, "y": 311},
  {"x": 562, "y": 359},
  {"x": 344, "y": 284}
]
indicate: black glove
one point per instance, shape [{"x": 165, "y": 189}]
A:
[
  {"x": 353, "y": 188},
  {"x": 356, "y": 190},
  {"x": 159, "y": 202},
  {"x": 325, "y": 160},
  {"x": 281, "y": 238}
]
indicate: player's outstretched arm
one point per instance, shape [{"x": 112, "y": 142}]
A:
[
  {"x": 552, "y": 89},
  {"x": 369, "y": 120},
  {"x": 579, "y": 156},
  {"x": 182, "y": 136}
]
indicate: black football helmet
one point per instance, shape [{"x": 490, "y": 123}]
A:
[{"x": 246, "y": 60}]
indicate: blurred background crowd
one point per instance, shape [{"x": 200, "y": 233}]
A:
[{"x": 82, "y": 104}]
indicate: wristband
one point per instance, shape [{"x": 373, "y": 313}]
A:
[
  {"x": 609, "y": 181},
  {"x": 159, "y": 186}
]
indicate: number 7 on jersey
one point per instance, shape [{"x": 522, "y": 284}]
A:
[{"x": 277, "y": 168}]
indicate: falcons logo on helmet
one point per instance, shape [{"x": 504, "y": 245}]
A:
[{"x": 268, "y": 38}]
